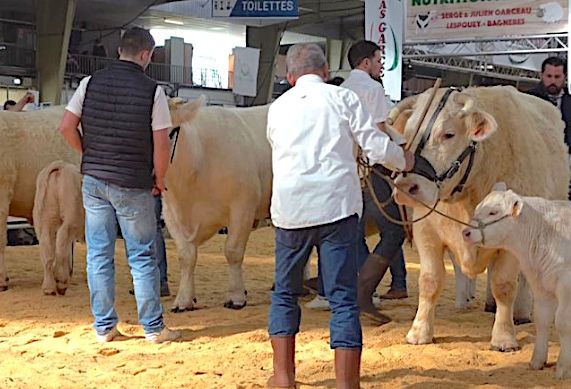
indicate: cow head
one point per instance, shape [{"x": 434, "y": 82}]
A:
[
  {"x": 458, "y": 125},
  {"x": 494, "y": 218},
  {"x": 182, "y": 112}
]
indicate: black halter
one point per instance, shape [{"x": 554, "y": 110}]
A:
[
  {"x": 425, "y": 169},
  {"x": 174, "y": 133},
  {"x": 482, "y": 225}
]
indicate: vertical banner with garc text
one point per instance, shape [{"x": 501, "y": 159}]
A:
[{"x": 384, "y": 25}]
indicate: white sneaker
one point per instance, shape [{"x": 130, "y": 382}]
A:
[
  {"x": 108, "y": 337},
  {"x": 165, "y": 335},
  {"x": 319, "y": 303}
]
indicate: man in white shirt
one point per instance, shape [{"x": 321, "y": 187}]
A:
[
  {"x": 365, "y": 60},
  {"x": 316, "y": 202}
]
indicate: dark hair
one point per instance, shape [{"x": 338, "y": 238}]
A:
[
  {"x": 335, "y": 81},
  {"x": 361, "y": 50},
  {"x": 135, "y": 40},
  {"x": 554, "y": 61},
  {"x": 9, "y": 103}
]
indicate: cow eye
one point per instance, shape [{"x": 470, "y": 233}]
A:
[
  {"x": 493, "y": 213},
  {"x": 449, "y": 135}
]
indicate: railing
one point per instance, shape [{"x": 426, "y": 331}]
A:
[
  {"x": 83, "y": 65},
  {"x": 12, "y": 55}
]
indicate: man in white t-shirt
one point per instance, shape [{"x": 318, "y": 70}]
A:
[{"x": 125, "y": 149}]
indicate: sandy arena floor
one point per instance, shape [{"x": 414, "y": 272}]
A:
[{"x": 48, "y": 342}]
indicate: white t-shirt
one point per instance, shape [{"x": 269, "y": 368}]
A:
[
  {"x": 312, "y": 129},
  {"x": 161, "y": 117}
]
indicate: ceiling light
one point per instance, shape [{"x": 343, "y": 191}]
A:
[
  {"x": 174, "y": 21},
  {"x": 17, "y": 81}
]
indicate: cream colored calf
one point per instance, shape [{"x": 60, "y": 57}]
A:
[
  {"x": 538, "y": 233},
  {"x": 59, "y": 221}
]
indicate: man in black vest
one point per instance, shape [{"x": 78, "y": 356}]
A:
[
  {"x": 552, "y": 88},
  {"x": 124, "y": 144}
]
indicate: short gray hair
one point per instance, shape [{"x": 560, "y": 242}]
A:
[{"x": 305, "y": 58}]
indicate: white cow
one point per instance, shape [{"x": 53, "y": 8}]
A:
[
  {"x": 220, "y": 176},
  {"x": 518, "y": 139},
  {"x": 538, "y": 233},
  {"x": 59, "y": 219},
  {"x": 29, "y": 141}
]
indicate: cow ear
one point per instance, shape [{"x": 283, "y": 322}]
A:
[
  {"x": 500, "y": 187},
  {"x": 517, "y": 207},
  {"x": 480, "y": 125}
]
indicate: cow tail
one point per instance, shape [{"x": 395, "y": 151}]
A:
[{"x": 41, "y": 188}]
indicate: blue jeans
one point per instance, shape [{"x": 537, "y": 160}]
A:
[
  {"x": 105, "y": 206},
  {"x": 160, "y": 251},
  {"x": 392, "y": 235},
  {"x": 398, "y": 272},
  {"x": 337, "y": 252}
]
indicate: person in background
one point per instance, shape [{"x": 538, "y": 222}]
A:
[
  {"x": 11, "y": 105},
  {"x": 365, "y": 60},
  {"x": 553, "y": 88}
]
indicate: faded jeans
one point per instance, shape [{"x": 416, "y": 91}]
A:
[
  {"x": 105, "y": 206},
  {"x": 337, "y": 252}
]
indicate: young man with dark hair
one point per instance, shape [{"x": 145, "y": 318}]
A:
[
  {"x": 124, "y": 144},
  {"x": 366, "y": 62},
  {"x": 553, "y": 88}
]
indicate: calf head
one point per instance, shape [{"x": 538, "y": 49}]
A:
[
  {"x": 494, "y": 218},
  {"x": 445, "y": 134}
]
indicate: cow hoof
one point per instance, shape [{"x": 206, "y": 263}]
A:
[
  {"x": 562, "y": 373},
  {"x": 49, "y": 292},
  {"x": 3, "y": 288},
  {"x": 490, "y": 308},
  {"x": 231, "y": 305},
  {"x": 181, "y": 310},
  {"x": 419, "y": 335},
  {"x": 505, "y": 348},
  {"x": 61, "y": 291},
  {"x": 536, "y": 365},
  {"x": 523, "y": 320}
]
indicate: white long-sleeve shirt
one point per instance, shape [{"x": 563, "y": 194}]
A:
[
  {"x": 312, "y": 129},
  {"x": 371, "y": 93}
]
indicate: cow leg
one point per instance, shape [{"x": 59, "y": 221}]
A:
[
  {"x": 563, "y": 324},
  {"x": 464, "y": 286},
  {"x": 490, "y": 302},
  {"x": 239, "y": 229},
  {"x": 523, "y": 302},
  {"x": 5, "y": 198},
  {"x": 504, "y": 288},
  {"x": 185, "y": 297},
  {"x": 63, "y": 251},
  {"x": 430, "y": 284},
  {"x": 544, "y": 313},
  {"x": 187, "y": 254},
  {"x": 47, "y": 239}
]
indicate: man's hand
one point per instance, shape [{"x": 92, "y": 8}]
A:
[
  {"x": 410, "y": 160},
  {"x": 28, "y": 98},
  {"x": 159, "y": 187}
]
